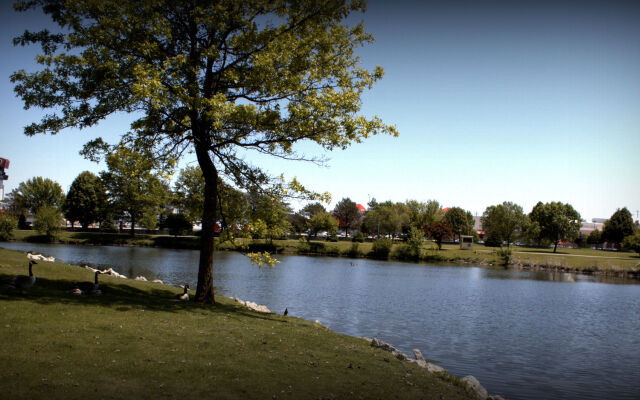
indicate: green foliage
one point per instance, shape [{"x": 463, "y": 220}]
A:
[
  {"x": 177, "y": 224},
  {"x": 505, "y": 255},
  {"x": 421, "y": 214},
  {"x": 39, "y": 192},
  {"x": 354, "y": 250},
  {"x": 504, "y": 222},
  {"x": 86, "y": 200},
  {"x": 382, "y": 248},
  {"x": 48, "y": 222},
  {"x": 188, "y": 193},
  {"x": 415, "y": 240},
  {"x": 619, "y": 226},
  {"x": 268, "y": 215},
  {"x": 358, "y": 237},
  {"x": 7, "y": 224},
  {"x": 257, "y": 76},
  {"x": 262, "y": 259},
  {"x": 133, "y": 186},
  {"x": 595, "y": 237},
  {"x": 387, "y": 218},
  {"x": 460, "y": 221},
  {"x": 555, "y": 221},
  {"x": 322, "y": 221},
  {"x": 347, "y": 214},
  {"x": 632, "y": 242}
]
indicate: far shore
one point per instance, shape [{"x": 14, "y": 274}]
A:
[{"x": 568, "y": 260}]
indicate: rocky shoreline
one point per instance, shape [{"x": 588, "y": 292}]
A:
[{"x": 470, "y": 381}]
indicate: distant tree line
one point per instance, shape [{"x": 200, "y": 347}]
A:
[{"x": 135, "y": 190}]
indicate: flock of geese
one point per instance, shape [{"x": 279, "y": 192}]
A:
[{"x": 25, "y": 282}]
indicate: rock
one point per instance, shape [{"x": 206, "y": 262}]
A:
[
  {"x": 401, "y": 356},
  {"x": 158, "y": 281},
  {"x": 141, "y": 278},
  {"x": 90, "y": 269},
  {"x": 434, "y": 369},
  {"x": 476, "y": 387},
  {"x": 418, "y": 354},
  {"x": 375, "y": 342}
]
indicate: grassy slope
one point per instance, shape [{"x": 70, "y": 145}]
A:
[
  {"x": 578, "y": 259},
  {"x": 136, "y": 342}
]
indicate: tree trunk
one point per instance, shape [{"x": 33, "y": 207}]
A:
[
  {"x": 204, "y": 289},
  {"x": 555, "y": 246},
  {"x": 133, "y": 225}
]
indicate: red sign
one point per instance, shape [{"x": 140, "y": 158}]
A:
[{"x": 4, "y": 163}]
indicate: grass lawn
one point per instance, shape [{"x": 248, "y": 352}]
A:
[{"x": 135, "y": 341}]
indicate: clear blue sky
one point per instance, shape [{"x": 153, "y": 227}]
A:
[{"x": 519, "y": 101}]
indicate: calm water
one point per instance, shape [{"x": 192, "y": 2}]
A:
[{"x": 523, "y": 335}]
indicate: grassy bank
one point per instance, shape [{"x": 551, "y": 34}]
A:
[
  {"x": 135, "y": 341},
  {"x": 570, "y": 260}
]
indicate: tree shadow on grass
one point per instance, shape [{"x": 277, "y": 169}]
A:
[{"x": 122, "y": 297}]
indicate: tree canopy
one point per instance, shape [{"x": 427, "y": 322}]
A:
[
  {"x": 460, "y": 221},
  {"x": 618, "y": 226},
  {"x": 556, "y": 222},
  {"x": 502, "y": 222},
  {"x": 216, "y": 79},
  {"x": 347, "y": 214},
  {"x": 132, "y": 185},
  {"x": 86, "y": 200},
  {"x": 39, "y": 192}
]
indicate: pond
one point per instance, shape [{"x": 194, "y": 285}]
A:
[{"x": 524, "y": 335}]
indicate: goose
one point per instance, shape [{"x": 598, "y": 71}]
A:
[
  {"x": 22, "y": 282},
  {"x": 184, "y": 296},
  {"x": 88, "y": 287}
]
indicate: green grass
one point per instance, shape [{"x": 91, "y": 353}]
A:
[
  {"x": 577, "y": 260},
  {"x": 135, "y": 341}
]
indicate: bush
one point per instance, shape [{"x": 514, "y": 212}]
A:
[
  {"x": 358, "y": 237},
  {"x": 332, "y": 237},
  {"x": 108, "y": 227},
  {"x": 178, "y": 224},
  {"x": 382, "y": 247},
  {"x": 493, "y": 241},
  {"x": 354, "y": 251},
  {"x": 48, "y": 222},
  {"x": 632, "y": 242},
  {"x": 7, "y": 225},
  {"x": 505, "y": 254}
]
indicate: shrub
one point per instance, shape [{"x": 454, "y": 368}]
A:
[
  {"x": 382, "y": 247},
  {"x": 332, "y": 237},
  {"x": 48, "y": 222},
  {"x": 358, "y": 237},
  {"x": 414, "y": 244},
  {"x": 505, "y": 254},
  {"x": 7, "y": 225},
  {"x": 632, "y": 242},
  {"x": 354, "y": 251}
]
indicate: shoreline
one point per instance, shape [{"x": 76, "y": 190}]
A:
[{"x": 606, "y": 266}]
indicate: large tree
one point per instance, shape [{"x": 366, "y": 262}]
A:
[
  {"x": 503, "y": 222},
  {"x": 218, "y": 79},
  {"x": 39, "y": 192},
  {"x": 133, "y": 186},
  {"x": 460, "y": 221},
  {"x": 86, "y": 200},
  {"x": 347, "y": 214},
  {"x": 556, "y": 222},
  {"x": 618, "y": 226}
]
